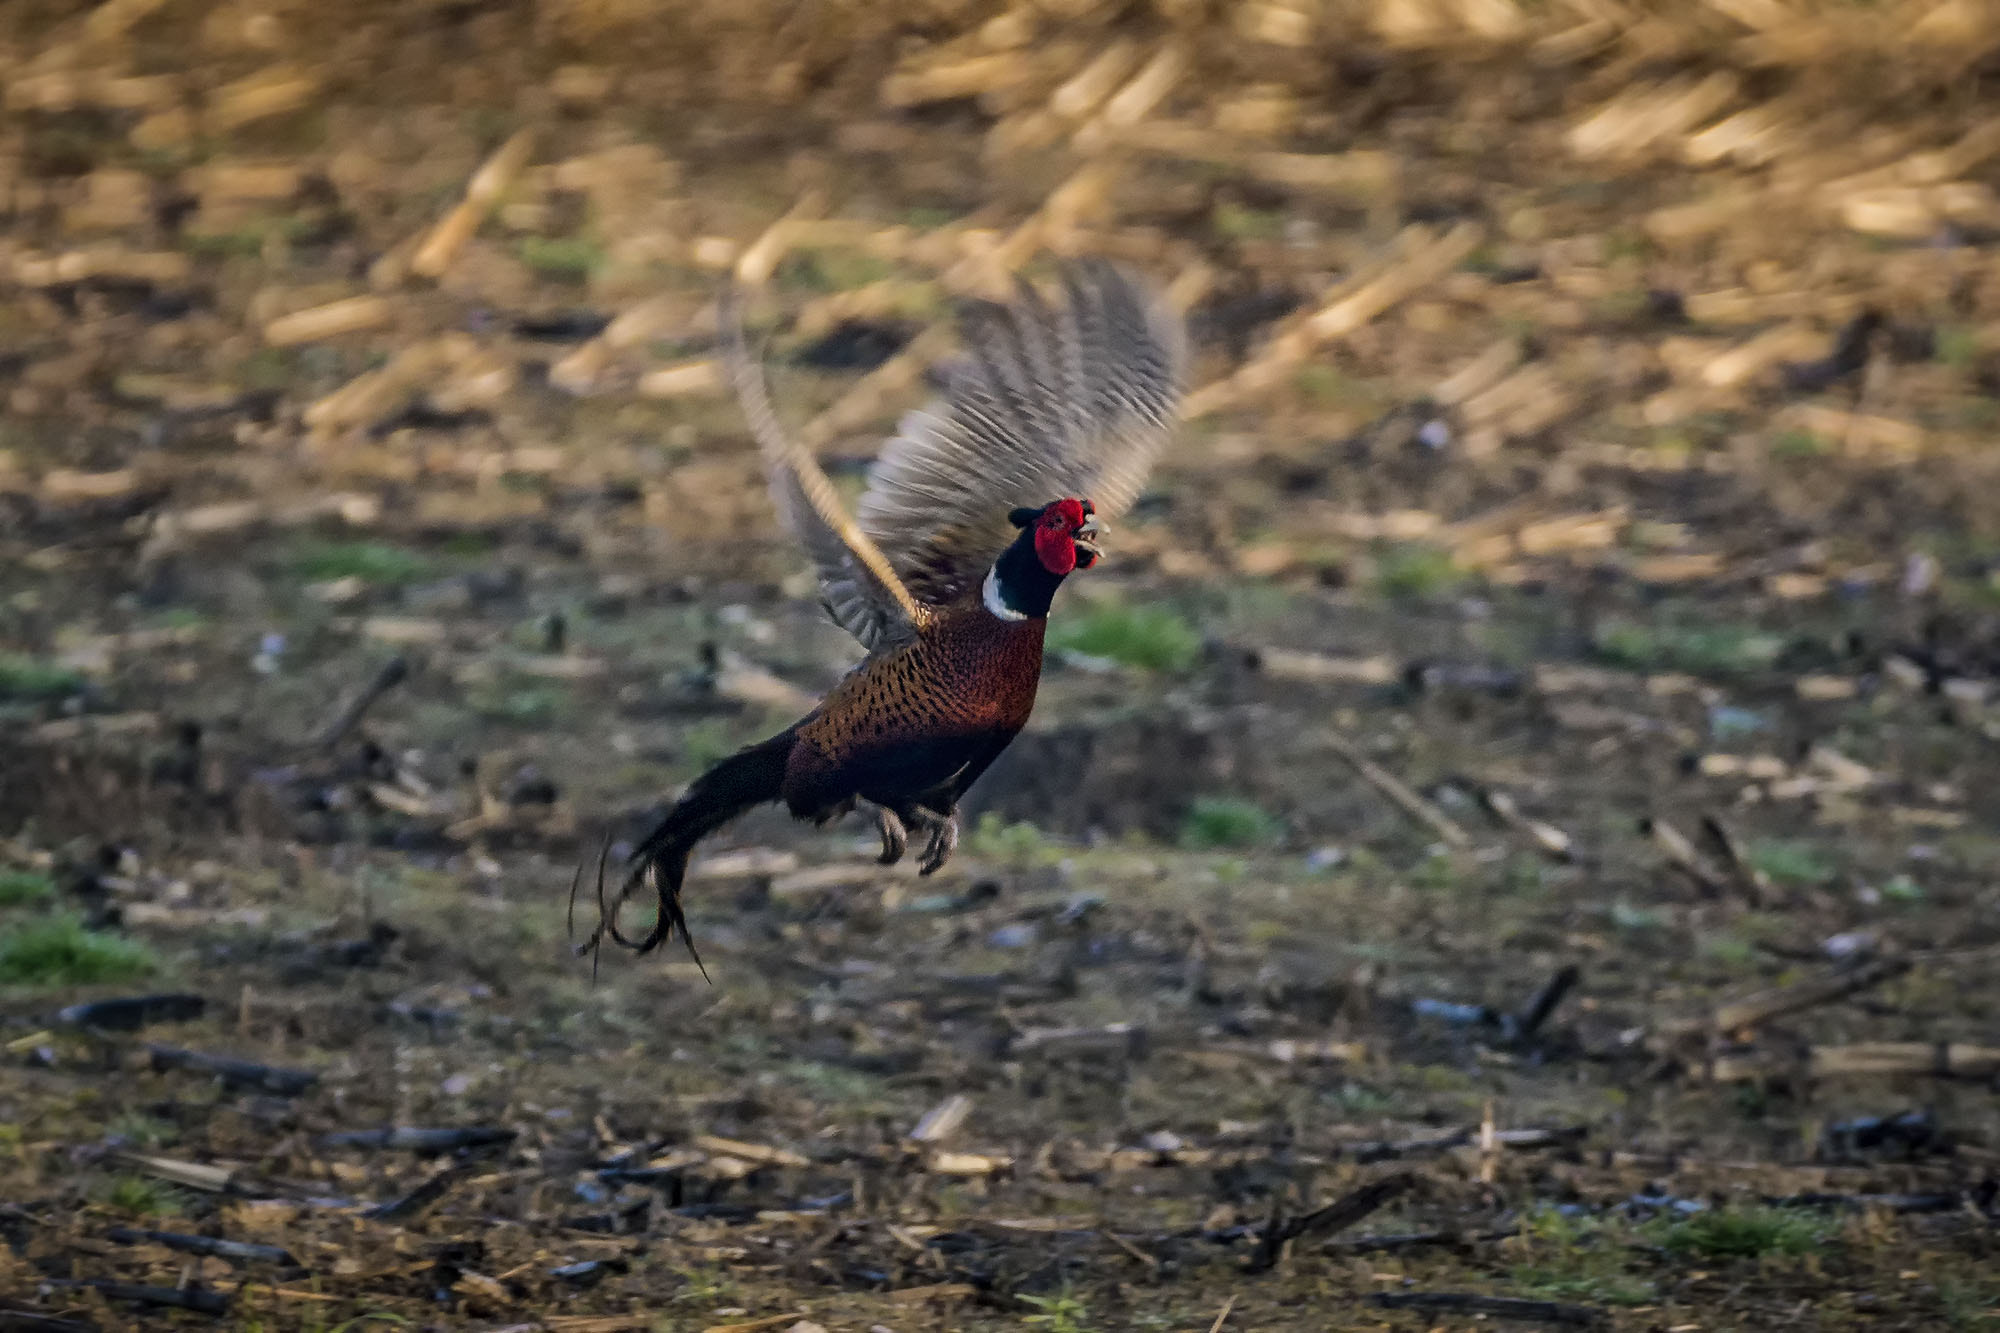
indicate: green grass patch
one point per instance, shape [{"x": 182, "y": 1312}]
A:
[
  {"x": 1625, "y": 916},
  {"x": 18, "y": 888},
  {"x": 833, "y": 270},
  {"x": 997, "y": 840},
  {"x": 58, "y": 951},
  {"x": 567, "y": 258},
  {"x": 1700, "y": 650},
  {"x": 1584, "y": 1283},
  {"x": 1799, "y": 444},
  {"x": 1741, "y": 1233},
  {"x": 1150, "y": 637},
  {"x": 371, "y": 562},
  {"x": 1578, "y": 1258},
  {"x": 1957, "y": 346},
  {"x": 1215, "y": 822},
  {"x": 1239, "y": 223},
  {"x": 143, "y": 1196},
  {"x": 33, "y": 678},
  {"x": 139, "y": 1130},
  {"x": 523, "y": 702},
  {"x": 1790, "y": 862},
  {"x": 1902, "y": 889},
  {"x": 1417, "y": 570},
  {"x": 1061, "y": 1313},
  {"x": 1727, "y": 949},
  {"x": 1322, "y": 385}
]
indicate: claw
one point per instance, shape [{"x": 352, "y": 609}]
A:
[
  {"x": 944, "y": 841},
  {"x": 895, "y": 837}
]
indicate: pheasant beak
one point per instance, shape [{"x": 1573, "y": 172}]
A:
[{"x": 1086, "y": 537}]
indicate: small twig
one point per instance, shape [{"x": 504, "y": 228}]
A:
[
  {"x": 1342, "y": 1213},
  {"x": 233, "y": 1072},
  {"x": 1754, "y": 883},
  {"x": 198, "y": 1299},
  {"x": 1391, "y": 786},
  {"x": 1152, "y": 1264},
  {"x": 1762, "y": 1008},
  {"x": 426, "y": 1141},
  {"x": 1674, "y": 845},
  {"x": 425, "y": 1196},
  {"x": 1499, "y": 1307},
  {"x": 210, "y": 1245},
  {"x": 27, "y": 1321},
  {"x": 1410, "y": 1240},
  {"x": 393, "y": 673},
  {"x": 1222, "y": 1315},
  {"x": 1552, "y": 841},
  {"x": 1544, "y": 1002}
]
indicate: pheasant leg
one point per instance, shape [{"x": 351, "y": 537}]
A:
[
  {"x": 895, "y": 836},
  {"x": 944, "y": 841}
]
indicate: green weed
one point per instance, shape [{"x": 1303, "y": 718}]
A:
[
  {"x": 31, "y": 678},
  {"x": 1701, "y": 650},
  {"x": 1957, "y": 346},
  {"x": 1322, "y": 385},
  {"x": 18, "y": 888},
  {"x": 1789, "y": 862},
  {"x": 523, "y": 702},
  {"x": 1417, "y": 570},
  {"x": 1627, "y": 917},
  {"x": 1577, "y": 1258},
  {"x": 1798, "y": 444},
  {"x": 1150, "y": 637},
  {"x": 833, "y": 270},
  {"x": 143, "y": 1196},
  {"x": 58, "y": 951},
  {"x": 1239, "y": 223},
  {"x": 371, "y": 562},
  {"x": 994, "y": 839},
  {"x": 141, "y": 1130},
  {"x": 1221, "y": 821},
  {"x": 1741, "y": 1233},
  {"x": 568, "y": 258},
  {"x": 1061, "y": 1313},
  {"x": 1729, "y": 950},
  {"x": 1897, "y": 889}
]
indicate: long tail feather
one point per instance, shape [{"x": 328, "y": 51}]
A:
[{"x": 748, "y": 778}]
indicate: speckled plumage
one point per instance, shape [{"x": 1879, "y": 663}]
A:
[{"x": 913, "y": 719}]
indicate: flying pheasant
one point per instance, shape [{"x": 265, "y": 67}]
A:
[{"x": 974, "y": 514}]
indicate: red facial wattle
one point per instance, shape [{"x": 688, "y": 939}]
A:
[
  {"x": 1054, "y": 546},
  {"x": 1062, "y": 536}
]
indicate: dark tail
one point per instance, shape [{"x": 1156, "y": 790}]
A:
[{"x": 748, "y": 778}]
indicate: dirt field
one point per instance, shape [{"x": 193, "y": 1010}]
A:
[{"x": 1509, "y": 832}]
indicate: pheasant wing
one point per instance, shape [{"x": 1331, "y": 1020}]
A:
[
  {"x": 1048, "y": 401},
  {"x": 858, "y": 585}
]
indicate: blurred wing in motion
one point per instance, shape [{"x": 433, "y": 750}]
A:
[
  {"x": 1045, "y": 403},
  {"x": 857, "y": 583}
]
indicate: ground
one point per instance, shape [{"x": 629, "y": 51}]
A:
[{"x": 1523, "y": 780}]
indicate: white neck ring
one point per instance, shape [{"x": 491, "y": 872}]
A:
[{"x": 996, "y": 602}]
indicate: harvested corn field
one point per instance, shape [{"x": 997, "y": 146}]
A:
[{"x": 1508, "y": 833}]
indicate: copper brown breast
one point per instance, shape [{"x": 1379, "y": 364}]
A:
[{"x": 916, "y": 714}]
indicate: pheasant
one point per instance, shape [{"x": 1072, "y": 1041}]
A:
[{"x": 975, "y": 513}]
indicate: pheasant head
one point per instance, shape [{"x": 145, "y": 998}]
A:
[{"x": 1054, "y": 541}]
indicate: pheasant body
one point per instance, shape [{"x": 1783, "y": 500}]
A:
[
  {"x": 907, "y": 723},
  {"x": 948, "y": 577}
]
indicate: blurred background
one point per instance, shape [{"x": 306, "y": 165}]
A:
[{"x": 1536, "y": 732}]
